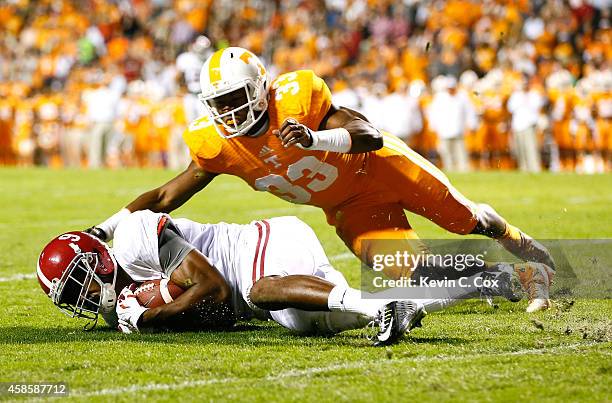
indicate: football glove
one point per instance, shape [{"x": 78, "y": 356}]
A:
[
  {"x": 97, "y": 232},
  {"x": 129, "y": 310}
]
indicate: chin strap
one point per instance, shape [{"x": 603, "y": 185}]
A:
[{"x": 108, "y": 298}]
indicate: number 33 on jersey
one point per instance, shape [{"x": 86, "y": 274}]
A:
[{"x": 318, "y": 178}]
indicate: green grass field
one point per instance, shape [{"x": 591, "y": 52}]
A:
[{"x": 471, "y": 352}]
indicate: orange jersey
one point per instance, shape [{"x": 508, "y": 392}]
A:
[{"x": 319, "y": 178}]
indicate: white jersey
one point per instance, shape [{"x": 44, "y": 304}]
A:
[
  {"x": 136, "y": 246},
  {"x": 137, "y": 243},
  {"x": 242, "y": 253}
]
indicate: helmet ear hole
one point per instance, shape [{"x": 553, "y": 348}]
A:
[
  {"x": 261, "y": 93},
  {"x": 108, "y": 298}
]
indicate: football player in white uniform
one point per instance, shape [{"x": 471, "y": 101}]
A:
[
  {"x": 269, "y": 269},
  {"x": 190, "y": 63}
]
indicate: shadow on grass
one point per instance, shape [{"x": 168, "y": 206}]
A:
[
  {"x": 243, "y": 334},
  {"x": 33, "y": 334}
]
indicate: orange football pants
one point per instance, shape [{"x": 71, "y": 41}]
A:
[{"x": 399, "y": 179}]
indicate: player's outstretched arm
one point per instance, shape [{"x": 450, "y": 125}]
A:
[
  {"x": 204, "y": 287},
  {"x": 342, "y": 130},
  {"x": 174, "y": 193},
  {"x": 164, "y": 199}
]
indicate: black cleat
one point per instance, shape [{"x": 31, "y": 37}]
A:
[{"x": 397, "y": 318}]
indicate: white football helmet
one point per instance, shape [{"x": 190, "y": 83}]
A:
[{"x": 228, "y": 70}]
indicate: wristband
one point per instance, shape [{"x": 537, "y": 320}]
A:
[{"x": 336, "y": 140}]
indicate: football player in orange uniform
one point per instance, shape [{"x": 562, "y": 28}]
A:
[{"x": 286, "y": 137}]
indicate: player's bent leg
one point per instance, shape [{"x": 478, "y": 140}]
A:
[
  {"x": 310, "y": 293},
  {"x": 366, "y": 225},
  {"x": 371, "y": 230},
  {"x": 309, "y": 304},
  {"x": 295, "y": 273},
  {"x": 282, "y": 296},
  {"x": 425, "y": 190}
]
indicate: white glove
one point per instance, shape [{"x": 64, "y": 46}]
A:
[{"x": 129, "y": 310}]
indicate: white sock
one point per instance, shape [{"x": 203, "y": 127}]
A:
[
  {"x": 453, "y": 296},
  {"x": 438, "y": 304},
  {"x": 346, "y": 299}
]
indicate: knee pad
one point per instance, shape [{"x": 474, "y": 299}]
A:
[{"x": 490, "y": 223}]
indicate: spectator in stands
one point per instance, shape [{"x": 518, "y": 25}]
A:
[
  {"x": 525, "y": 105},
  {"x": 448, "y": 118},
  {"x": 101, "y": 105},
  {"x": 402, "y": 114},
  {"x": 366, "y": 47}
]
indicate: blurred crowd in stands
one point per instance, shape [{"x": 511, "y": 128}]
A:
[{"x": 494, "y": 84}]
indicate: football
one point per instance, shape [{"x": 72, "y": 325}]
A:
[{"x": 154, "y": 293}]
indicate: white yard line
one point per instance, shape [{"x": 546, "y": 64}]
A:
[
  {"x": 342, "y": 256},
  {"x": 17, "y": 277},
  {"x": 317, "y": 370},
  {"x": 81, "y": 224}
]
